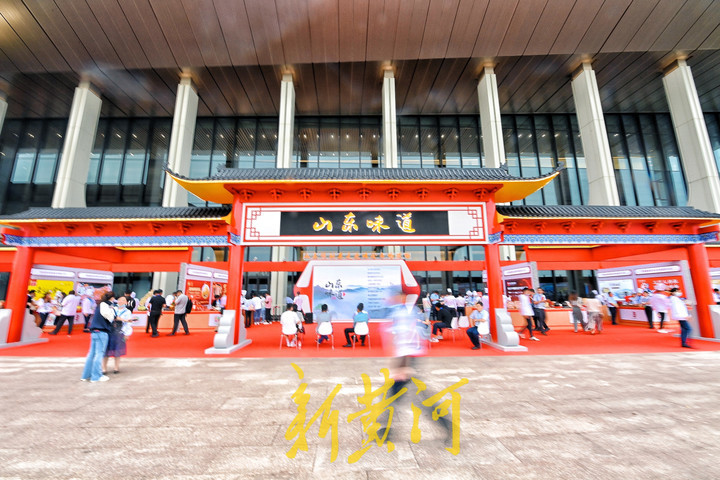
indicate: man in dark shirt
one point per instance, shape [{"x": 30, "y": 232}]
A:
[
  {"x": 444, "y": 321},
  {"x": 157, "y": 302}
]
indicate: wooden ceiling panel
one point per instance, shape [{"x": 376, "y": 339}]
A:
[
  {"x": 654, "y": 25},
  {"x": 683, "y": 22},
  {"x": 272, "y": 76},
  {"x": 420, "y": 88},
  {"x": 439, "y": 98},
  {"x": 324, "y": 36},
  {"x": 494, "y": 27},
  {"x": 438, "y": 28},
  {"x": 628, "y": 25},
  {"x": 464, "y": 92},
  {"x": 576, "y": 26},
  {"x": 89, "y": 32},
  {"x": 32, "y": 95},
  {"x": 253, "y": 82},
  {"x": 146, "y": 28},
  {"x": 232, "y": 90},
  {"x": 470, "y": 14},
  {"x": 519, "y": 82},
  {"x": 551, "y": 75},
  {"x": 372, "y": 89},
  {"x": 236, "y": 31},
  {"x": 266, "y": 36},
  {"x": 523, "y": 24},
  {"x": 306, "y": 97},
  {"x": 205, "y": 26},
  {"x": 597, "y": 34},
  {"x": 295, "y": 27},
  {"x": 211, "y": 93},
  {"x": 32, "y": 35},
  {"x": 712, "y": 41},
  {"x": 553, "y": 17},
  {"x": 697, "y": 34},
  {"x": 174, "y": 23},
  {"x": 19, "y": 57},
  {"x": 120, "y": 35},
  {"x": 353, "y": 30},
  {"x": 352, "y": 83},
  {"x": 410, "y": 29},
  {"x": 60, "y": 33},
  {"x": 327, "y": 82},
  {"x": 383, "y": 19},
  {"x": 404, "y": 72}
]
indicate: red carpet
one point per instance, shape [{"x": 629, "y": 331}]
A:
[{"x": 266, "y": 338}]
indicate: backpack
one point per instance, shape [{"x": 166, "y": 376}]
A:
[{"x": 188, "y": 306}]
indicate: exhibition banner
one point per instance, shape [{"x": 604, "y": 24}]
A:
[
  {"x": 201, "y": 283},
  {"x": 342, "y": 287}
]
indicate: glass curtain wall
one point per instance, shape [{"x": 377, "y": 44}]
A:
[{"x": 128, "y": 154}]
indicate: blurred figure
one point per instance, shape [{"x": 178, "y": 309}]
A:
[
  {"x": 659, "y": 303},
  {"x": 526, "y": 310},
  {"x": 594, "y": 311},
  {"x": 87, "y": 306},
  {"x": 612, "y": 305},
  {"x": 679, "y": 312},
  {"x": 575, "y": 302},
  {"x": 44, "y": 308}
]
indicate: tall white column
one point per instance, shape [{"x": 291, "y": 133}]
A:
[
  {"x": 490, "y": 123},
  {"x": 179, "y": 153},
  {"x": 692, "y": 137},
  {"x": 3, "y": 111},
  {"x": 181, "y": 142},
  {"x": 286, "y": 134},
  {"x": 389, "y": 125},
  {"x": 79, "y": 140},
  {"x": 599, "y": 164},
  {"x": 286, "y": 122}
]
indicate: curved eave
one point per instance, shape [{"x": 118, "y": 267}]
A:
[{"x": 218, "y": 191}]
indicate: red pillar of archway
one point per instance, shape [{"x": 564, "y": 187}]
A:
[
  {"x": 700, "y": 274},
  {"x": 495, "y": 289},
  {"x": 236, "y": 264},
  {"x": 17, "y": 291}
]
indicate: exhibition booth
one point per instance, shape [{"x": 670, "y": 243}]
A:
[{"x": 352, "y": 207}]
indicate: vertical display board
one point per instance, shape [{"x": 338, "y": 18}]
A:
[
  {"x": 201, "y": 284},
  {"x": 48, "y": 278},
  {"x": 517, "y": 277},
  {"x": 626, "y": 281}
]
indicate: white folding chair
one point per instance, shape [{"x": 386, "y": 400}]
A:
[
  {"x": 453, "y": 327},
  {"x": 484, "y": 332},
  {"x": 361, "y": 328},
  {"x": 289, "y": 330},
  {"x": 325, "y": 328}
]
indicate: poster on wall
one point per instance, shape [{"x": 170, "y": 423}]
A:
[
  {"x": 46, "y": 278},
  {"x": 342, "y": 288},
  {"x": 201, "y": 284},
  {"x": 624, "y": 282}
]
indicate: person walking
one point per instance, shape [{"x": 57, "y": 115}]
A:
[
  {"x": 44, "y": 308},
  {"x": 539, "y": 301},
  {"x": 679, "y": 313},
  {"x": 87, "y": 306},
  {"x": 526, "y": 310},
  {"x": 117, "y": 343},
  {"x": 659, "y": 304},
  {"x": 612, "y": 305},
  {"x": 181, "y": 303},
  {"x": 100, "y": 328},
  {"x": 68, "y": 310},
  {"x": 156, "y": 302}
]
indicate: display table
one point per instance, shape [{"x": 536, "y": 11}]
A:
[
  {"x": 635, "y": 315},
  {"x": 559, "y": 318}
]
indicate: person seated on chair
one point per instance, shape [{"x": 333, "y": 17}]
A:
[
  {"x": 289, "y": 322},
  {"x": 359, "y": 317},
  {"x": 479, "y": 315},
  {"x": 444, "y": 321},
  {"x": 322, "y": 317}
]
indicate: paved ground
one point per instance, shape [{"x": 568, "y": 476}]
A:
[{"x": 604, "y": 416}]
